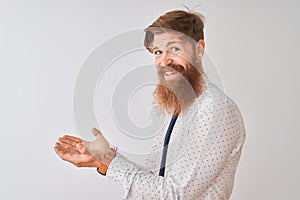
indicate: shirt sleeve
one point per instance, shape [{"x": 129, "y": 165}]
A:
[{"x": 205, "y": 169}]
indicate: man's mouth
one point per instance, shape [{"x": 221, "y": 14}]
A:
[{"x": 168, "y": 75}]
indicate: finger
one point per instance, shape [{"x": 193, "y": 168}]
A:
[
  {"x": 57, "y": 145},
  {"x": 65, "y": 148},
  {"x": 97, "y": 133},
  {"x": 67, "y": 141},
  {"x": 60, "y": 151},
  {"x": 81, "y": 148},
  {"x": 69, "y": 149},
  {"x": 65, "y": 145},
  {"x": 65, "y": 155},
  {"x": 62, "y": 148},
  {"x": 72, "y": 138},
  {"x": 86, "y": 144}
]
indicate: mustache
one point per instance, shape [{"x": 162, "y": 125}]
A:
[{"x": 177, "y": 67}]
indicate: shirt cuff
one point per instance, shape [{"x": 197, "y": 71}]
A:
[{"x": 122, "y": 171}]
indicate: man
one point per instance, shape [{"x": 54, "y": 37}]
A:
[{"x": 200, "y": 159}]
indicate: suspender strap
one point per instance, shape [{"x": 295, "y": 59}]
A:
[{"x": 166, "y": 143}]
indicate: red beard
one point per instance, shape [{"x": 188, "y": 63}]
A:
[{"x": 177, "y": 95}]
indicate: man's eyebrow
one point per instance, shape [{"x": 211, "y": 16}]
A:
[
  {"x": 173, "y": 42},
  {"x": 168, "y": 44}
]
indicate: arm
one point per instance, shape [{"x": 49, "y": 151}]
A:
[{"x": 207, "y": 165}]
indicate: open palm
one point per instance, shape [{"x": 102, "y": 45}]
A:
[{"x": 72, "y": 149}]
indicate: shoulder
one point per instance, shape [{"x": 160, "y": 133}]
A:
[
  {"x": 214, "y": 100},
  {"x": 218, "y": 111}
]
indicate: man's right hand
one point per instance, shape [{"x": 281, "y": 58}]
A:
[{"x": 71, "y": 149}]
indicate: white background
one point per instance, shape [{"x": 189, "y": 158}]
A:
[{"x": 254, "y": 44}]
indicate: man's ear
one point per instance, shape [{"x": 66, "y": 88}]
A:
[{"x": 200, "y": 47}]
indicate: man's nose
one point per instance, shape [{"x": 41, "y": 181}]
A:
[{"x": 166, "y": 59}]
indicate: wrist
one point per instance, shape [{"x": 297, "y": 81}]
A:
[{"x": 103, "y": 164}]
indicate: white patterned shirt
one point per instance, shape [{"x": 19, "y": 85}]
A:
[{"x": 203, "y": 154}]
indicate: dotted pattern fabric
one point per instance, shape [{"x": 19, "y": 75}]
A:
[{"x": 204, "y": 151}]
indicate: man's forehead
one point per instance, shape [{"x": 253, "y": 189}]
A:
[{"x": 165, "y": 38}]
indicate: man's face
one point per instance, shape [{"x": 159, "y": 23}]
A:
[
  {"x": 174, "y": 54},
  {"x": 177, "y": 69}
]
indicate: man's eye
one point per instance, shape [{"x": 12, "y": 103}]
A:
[
  {"x": 175, "y": 50},
  {"x": 157, "y": 52}
]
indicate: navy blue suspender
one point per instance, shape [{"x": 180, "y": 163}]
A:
[{"x": 166, "y": 143}]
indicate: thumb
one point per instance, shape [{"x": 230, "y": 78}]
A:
[{"x": 97, "y": 133}]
